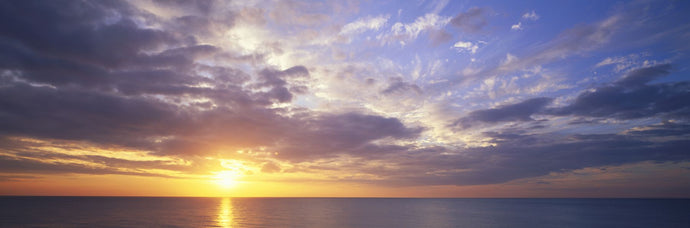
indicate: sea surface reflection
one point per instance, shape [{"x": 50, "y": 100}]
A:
[
  {"x": 225, "y": 217},
  {"x": 339, "y": 212}
]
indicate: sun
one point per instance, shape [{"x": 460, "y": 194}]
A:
[{"x": 226, "y": 179}]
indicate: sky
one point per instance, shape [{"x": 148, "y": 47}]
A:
[{"x": 424, "y": 98}]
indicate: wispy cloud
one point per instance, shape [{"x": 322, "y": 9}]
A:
[
  {"x": 530, "y": 16},
  {"x": 364, "y": 24},
  {"x": 401, "y": 32}
]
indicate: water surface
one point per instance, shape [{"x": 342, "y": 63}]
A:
[{"x": 339, "y": 212}]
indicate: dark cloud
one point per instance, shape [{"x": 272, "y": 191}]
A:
[
  {"x": 512, "y": 112},
  {"x": 276, "y": 81},
  {"x": 471, "y": 21},
  {"x": 523, "y": 158},
  {"x": 83, "y": 32},
  {"x": 397, "y": 85},
  {"x": 642, "y": 76},
  {"x": 80, "y": 115},
  {"x": 89, "y": 72},
  {"x": 633, "y": 97},
  {"x": 520, "y": 154},
  {"x": 630, "y": 97},
  {"x": 350, "y": 133},
  {"x": 95, "y": 45},
  {"x": 203, "y": 6}
]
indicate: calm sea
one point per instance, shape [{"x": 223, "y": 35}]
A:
[{"x": 339, "y": 212}]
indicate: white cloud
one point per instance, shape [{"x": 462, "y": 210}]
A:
[
  {"x": 517, "y": 26},
  {"x": 402, "y": 32},
  {"x": 624, "y": 63},
  {"x": 466, "y": 46},
  {"x": 530, "y": 16},
  {"x": 364, "y": 24},
  {"x": 510, "y": 59}
]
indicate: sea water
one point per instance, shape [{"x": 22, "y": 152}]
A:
[{"x": 339, "y": 212}]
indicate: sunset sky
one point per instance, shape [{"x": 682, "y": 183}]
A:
[{"x": 345, "y": 98}]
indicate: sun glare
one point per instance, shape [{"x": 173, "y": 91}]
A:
[{"x": 226, "y": 179}]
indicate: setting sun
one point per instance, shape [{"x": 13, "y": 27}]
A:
[{"x": 226, "y": 179}]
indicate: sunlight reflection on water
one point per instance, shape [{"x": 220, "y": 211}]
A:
[{"x": 225, "y": 216}]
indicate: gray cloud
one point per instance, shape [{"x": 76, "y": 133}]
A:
[
  {"x": 473, "y": 20},
  {"x": 632, "y": 97},
  {"x": 79, "y": 31},
  {"x": 520, "y": 154},
  {"x": 512, "y": 112},
  {"x": 203, "y": 6},
  {"x": 89, "y": 73},
  {"x": 397, "y": 85},
  {"x": 349, "y": 133},
  {"x": 276, "y": 81},
  {"x": 78, "y": 114}
]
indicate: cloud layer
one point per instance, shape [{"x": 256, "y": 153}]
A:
[{"x": 336, "y": 92}]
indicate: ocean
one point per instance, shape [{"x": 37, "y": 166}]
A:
[{"x": 18, "y": 211}]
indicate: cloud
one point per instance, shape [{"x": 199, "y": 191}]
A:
[
  {"x": 397, "y": 85},
  {"x": 297, "y": 13},
  {"x": 364, "y": 24},
  {"x": 84, "y": 115},
  {"x": 24, "y": 165},
  {"x": 517, "y": 26},
  {"x": 512, "y": 112},
  {"x": 270, "y": 167},
  {"x": 81, "y": 33},
  {"x": 520, "y": 154},
  {"x": 473, "y": 20},
  {"x": 276, "y": 81},
  {"x": 530, "y": 16},
  {"x": 91, "y": 81},
  {"x": 176, "y": 88},
  {"x": 632, "y": 97},
  {"x": 572, "y": 41},
  {"x": 405, "y": 32},
  {"x": 466, "y": 46},
  {"x": 642, "y": 76},
  {"x": 350, "y": 134},
  {"x": 438, "y": 5},
  {"x": 625, "y": 63},
  {"x": 439, "y": 36}
]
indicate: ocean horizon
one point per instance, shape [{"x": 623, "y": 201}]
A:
[{"x": 118, "y": 211}]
